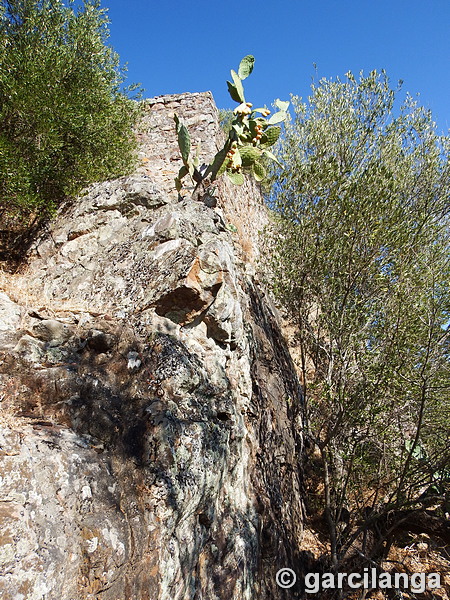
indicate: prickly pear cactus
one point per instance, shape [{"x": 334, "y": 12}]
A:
[{"x": 250, "y": 136}]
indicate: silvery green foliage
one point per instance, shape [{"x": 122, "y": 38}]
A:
[{"x": 360, "y": 258}]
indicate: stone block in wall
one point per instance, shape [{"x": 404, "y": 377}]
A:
[{"x": 160, "y": 159}]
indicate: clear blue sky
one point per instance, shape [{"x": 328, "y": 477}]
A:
[{"x": 189, "y": 46}]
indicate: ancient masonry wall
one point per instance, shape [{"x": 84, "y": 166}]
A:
[{"x": 159, "y": 158}]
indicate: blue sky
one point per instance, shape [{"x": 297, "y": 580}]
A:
[{"x": 190, "y": 46}]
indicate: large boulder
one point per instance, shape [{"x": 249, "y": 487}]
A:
[{"x": 151, "y": 443}]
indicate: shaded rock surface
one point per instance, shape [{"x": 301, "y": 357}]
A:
[{"x": 150, "y": 417}]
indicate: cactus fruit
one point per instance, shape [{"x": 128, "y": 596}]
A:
[{"x": 243, "y": 109}]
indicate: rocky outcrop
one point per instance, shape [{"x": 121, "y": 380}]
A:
[{"x": 151, "y": 438}]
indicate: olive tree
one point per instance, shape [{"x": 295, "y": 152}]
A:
[
  {"x": 64, "y": 119},
  {"x": 359, "y": 254}
]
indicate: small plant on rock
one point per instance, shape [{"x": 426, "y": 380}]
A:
[{"x": 252, "y": 132}]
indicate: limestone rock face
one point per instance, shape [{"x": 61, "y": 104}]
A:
[{"x": 150, "y": 436}]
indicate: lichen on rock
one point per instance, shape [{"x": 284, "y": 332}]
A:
[{"x": 150, "y": 413}]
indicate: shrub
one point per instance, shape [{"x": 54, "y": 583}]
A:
[
  {"x": 64, "y": 120},
  {"x": 360, "y": 257}
]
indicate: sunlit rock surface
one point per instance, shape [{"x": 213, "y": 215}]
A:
[{"x": 151, "y": 439}]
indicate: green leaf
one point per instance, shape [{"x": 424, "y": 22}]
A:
[
  {"x": 236, "y": 160},
  {"x": 236, "y": 178},
  {"x": 277, "y": 117},
  {"x": 238, "y": 128},
  {"x": 283, "y": 106},
  {"x": 259, "y": 172},
  {"x": 183, "y": 172},
  {"x": 246, "y": 66},
  {"x": 253, "y": 123},
  {"x": 270, "y": 136},
  {"x": 249, "y": 155},
  {"x": 184, "y": 139},
  {"x": 271, "y": 156},
  {"x": 238, "y": 85},
  {"x": 222, "y": 169},
  {"x": 232, "y": 90},
  {"x": 196, "y": 160},
  {"x": 218, "y": 165}
]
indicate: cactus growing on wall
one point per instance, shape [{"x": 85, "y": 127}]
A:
[{"x": 251, "y": 135}]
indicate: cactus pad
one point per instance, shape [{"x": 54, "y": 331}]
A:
[
  {"x": 277, "y": 117},
  {"x": 184, "y": 139},
  {"x": 236, "y": 178},
  {"x": 246, "y": 66},
  {"x": 283, "y": 106},
  {"x": 270, "y": 136},
  {"x": 259, "y": 172},
  {"x": 249, "y": 155},
  {"x": 238, "y": 85}
]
